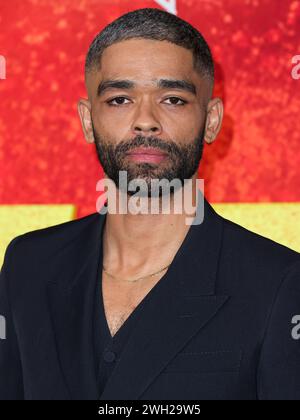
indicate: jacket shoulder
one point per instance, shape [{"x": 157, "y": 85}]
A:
[
  {"x": 252, "y": 263},
  {"x": 246, "y": 241},
  {"x": 39, "y": 241}
]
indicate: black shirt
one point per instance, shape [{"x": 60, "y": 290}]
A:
[{"x": 108, "y": 349}]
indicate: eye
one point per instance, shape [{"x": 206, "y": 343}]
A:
[
  {"x": 118, "y": 99},
  {"x": 174, "y": 98}
]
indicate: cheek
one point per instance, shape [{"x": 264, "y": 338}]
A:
[
  {"x": 111, "y": 130},
  {"x": 184, "y": 125},
  {"x": 109, "y": 118},
  {"x": 102, "y": 121},
  {"x": 185, "y": 133}
]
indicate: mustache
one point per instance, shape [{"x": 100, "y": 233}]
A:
[{"x": 149, "y": 141}]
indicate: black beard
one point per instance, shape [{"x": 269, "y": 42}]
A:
[{"x": 181, "y": 163}]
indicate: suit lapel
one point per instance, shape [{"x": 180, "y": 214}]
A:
[{"x": 186, "y": 302}]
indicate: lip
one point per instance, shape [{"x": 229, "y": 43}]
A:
[
  {"x": 146, "y": 151},
  {"x": 142, "y": 154}
]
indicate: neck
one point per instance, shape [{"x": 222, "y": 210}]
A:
[{"x": 144, "y": 242}]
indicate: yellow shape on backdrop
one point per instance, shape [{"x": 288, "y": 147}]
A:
[
  {"x": 277, "y": 221},
  {"x": 18, "y": 219}
]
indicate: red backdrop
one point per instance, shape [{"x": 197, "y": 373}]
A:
[{"x": 43, "y": 155}]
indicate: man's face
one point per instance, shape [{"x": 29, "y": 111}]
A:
[{"x": 149, "y": 113}]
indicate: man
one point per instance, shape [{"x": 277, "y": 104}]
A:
[{"x": 147, "y": 306}]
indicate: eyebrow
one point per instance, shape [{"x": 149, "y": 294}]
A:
[{"x": 184, "y": 85}]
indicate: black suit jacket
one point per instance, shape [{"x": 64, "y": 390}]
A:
[{"x": 220, "y": 328}]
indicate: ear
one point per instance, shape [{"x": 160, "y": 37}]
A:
[
  {"x": 84, "y": 111},
  {"x": 215, "y": 111}
]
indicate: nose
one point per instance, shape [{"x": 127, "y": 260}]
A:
[{"x": 145, "y": 122}]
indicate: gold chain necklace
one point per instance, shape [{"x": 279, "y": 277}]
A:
[{"x": 140, "y": 278}]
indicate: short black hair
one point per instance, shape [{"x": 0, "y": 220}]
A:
[{"x": 155, "y": 24}]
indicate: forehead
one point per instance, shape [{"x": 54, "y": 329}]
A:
[
  {"x": 144, "y": 61},
  {"x": 149, "y": 54}
]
